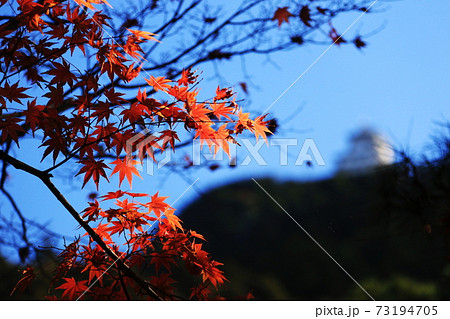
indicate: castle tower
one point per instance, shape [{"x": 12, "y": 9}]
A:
[{"x": 368, "y": 149}]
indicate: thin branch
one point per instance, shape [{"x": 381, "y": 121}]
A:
[
  {"x": 11, "y": 199},
  {"x": 45, "y": 178}
]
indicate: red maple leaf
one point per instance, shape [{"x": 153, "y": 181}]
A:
[
  {"x": 102, "y": 110},
  {"x": 92, "y": 169},
  {"x": 92, "y": 211},
  {"x": 169, "y": 136},
  {"x": 114, "y": 97},
  {"x": 222, "y": 94},
  {"x": 9, "y": 129},
  {"x": 72, "y": 288},
  {"x": 58, "y": 30},
  {"x": 55, "y": 95},
  {"x": 12, "y": 93},
  {"x": 144, "y": 35},
  {"x": 134, "y": 113},
  {"x": 113, "y": 195},
  {"x": 103, "y": 231},
  {"x": 95, "y": 263},
  {"x": 55, "y": 144},
  {"x": 187, "y": 77},
  {"x": 162, "y": 282},
  {"x": 61, "y": 73},
  {"x": 282, "y": 15}
]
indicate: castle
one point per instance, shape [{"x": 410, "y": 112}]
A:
[{"x": 368, "y": 149}]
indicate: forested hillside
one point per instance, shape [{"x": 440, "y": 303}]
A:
[{"x": 386, "y": 228}]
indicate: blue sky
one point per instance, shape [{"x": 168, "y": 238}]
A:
[{"x": 397, "y": 85}]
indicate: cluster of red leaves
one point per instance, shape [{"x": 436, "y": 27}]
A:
[
  {"x": 155, "y": 243},
  {"x": 89, "y": 129},
  {"x": 100, "y": 122}
]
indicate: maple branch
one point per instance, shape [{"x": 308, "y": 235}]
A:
[
  {"x": 125, "y": 268},
  {"x": 18, "y": 212},
  {"x": 45, "y": 178},
  {"x": 11, "y": 199},
  {"x": 243, "y": 32},
  {"x": 167, "y": 26},
  {"x": 23, "y": 166},
  {"x": 124, "y": 287}
]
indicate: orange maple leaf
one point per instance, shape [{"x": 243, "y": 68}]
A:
[
  {"x": 243, "y": 119},
  {"x": 259, "y": 127},
  {"x": 173, "y": 219},
  {"x": 206, "y": 134},
  {"x": 88, "y": 3},
  {"x": 126, "y": 168},
  {"x": 144, "y": 35},
  {"x": 179, "y": 93},
  {"x": 157, "y": 205},
  {"x": 198, "y": 113},
  {"x": 282, "y": 15},
  {"x": 193, "y": 233},
  {"x": 159, "y": 83},
  {"x": 213, "y": 274},
  {"x": 113, "y": 195},
  {"x": 219, "y": 109},
  {"x": 221, "y": 140}
]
